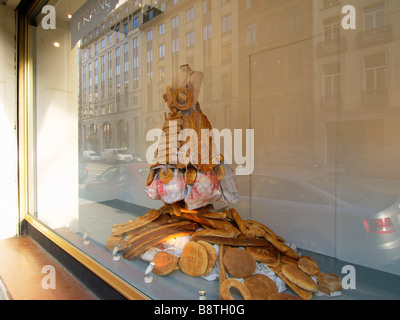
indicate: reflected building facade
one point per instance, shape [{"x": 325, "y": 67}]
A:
[
  {"x": 285, "y": 69},
  {"x": 356, "y": 96},
  {"x": 126, "y": 66}
]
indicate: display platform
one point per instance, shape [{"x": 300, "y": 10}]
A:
[{"x": 369, "y": 284}]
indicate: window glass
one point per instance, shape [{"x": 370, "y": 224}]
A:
[{"x": 313, "y": 105}]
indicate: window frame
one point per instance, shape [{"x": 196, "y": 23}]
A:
[{"x": 26, "y": 206}]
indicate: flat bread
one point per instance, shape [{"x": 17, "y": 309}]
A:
[
  {"x": 194, "y": 259},
  {"x": 268, "y": 254},
  {"x": 164, "y": 263},
  {"x": 239, "y": 263},
  {"x": 260, "y": 286},
  {"x": 304, "y": 294},
  {"x": 283, "y": 296},
  {"x": 286, "y": 260},
  {"x": 299, "y": 278},
  {"x": 308, "y": 265},
  {"x": 329, "y": 282},
  {"x": 212, "y": 256}
]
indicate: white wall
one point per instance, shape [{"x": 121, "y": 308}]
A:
[
  {"x": 56, "y": 128},
  {"x": 8, "y": 122}
]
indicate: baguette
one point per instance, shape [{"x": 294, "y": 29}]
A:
[
  {"x": 139, "y": 222},
  {"x": 234, "y": 242},
  {"x": 157, "y": 236}
]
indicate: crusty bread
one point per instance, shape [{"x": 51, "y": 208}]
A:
[
  {"x": 329, "y": 282},
  {"x": 288, "y": 251},
  {"x": 150, "y": 178},
  {"x": 220, "y": 172},
  {"x": 239, "y": 263},
  {"x": 166, "y": 175},
  {"x": 194, "y": 259},
  {"x": 260, "y": 286},
  {"x": 304, "y": 294},
  {"x": 286, "y": 260},
  {"x": 283, "y": 296},
  {"x": 299, "y": 278},
  {"x": 212, "y": 256},
  {"x": 268, "y": 254},
  {"x": 164, "y": 263},
  {"x": 190, "y": 175},
  {"x": 228, "y": 284},
  {"x": 308, "y": 265}
]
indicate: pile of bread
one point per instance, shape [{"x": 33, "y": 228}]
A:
[
  {"x": 188, "y": 180},
  {"x": 242, "y": 244}
]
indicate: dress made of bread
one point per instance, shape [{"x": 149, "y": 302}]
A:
[{"x": 239, "y": 263}]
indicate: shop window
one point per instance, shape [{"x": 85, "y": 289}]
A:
[{"x": 316, "y": 97}]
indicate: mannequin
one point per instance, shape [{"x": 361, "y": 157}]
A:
[{"x": 193, "y": 80}]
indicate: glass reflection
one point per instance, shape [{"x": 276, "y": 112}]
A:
[{"x": 323, "y": 101}]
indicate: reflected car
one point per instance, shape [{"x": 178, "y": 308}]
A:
[
  {"x": 116, "y": 156},
  {"x": 321, "y": 213},
  {"x": 124, "y": 182},
  {"x": 90, "y": 155}
]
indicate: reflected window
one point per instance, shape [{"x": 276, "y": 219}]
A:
[
  {"x": 331, "y": 29},
  {"x": 332, "y": 80},
  {"x": 375, "y": 17},
  {"x": 375, "y": 73},
  {"x": 226, "y": 23}
]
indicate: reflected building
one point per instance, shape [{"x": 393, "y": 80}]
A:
[
  {"x": 286, "y": 69},
  {"x": 356, "y": 96},
  {"x": 276, "y": 79},
  {"x": 127, "y": 62}
]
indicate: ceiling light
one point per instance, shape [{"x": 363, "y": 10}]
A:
[
  {"x": 69, "y": 16},
  {"x": 56, "y": 44}
]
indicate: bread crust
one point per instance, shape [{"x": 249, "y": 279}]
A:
[
  {"x": 190, "y": 175},
  {"x": 194, "y": 259},
  {"x": 228, "y": 284},
  {"x": 329, "y": 282},
  {"x": 304, "y": 294},
  {"x": 220, "y": 172},
  {"x": 308, "y": 265},
  {"x": 260, "y": 286},
  {"x": 212, "y": 256},
  {"x": 182, "y": 105},
  {"x": 299, "y": 278},
  {"x": 283, "y": 296},
  {"x": 166, "y": 175},
  {"x": 239, "y": 263},
  {"x": 164, "y": 263},
  {"x": 268, "y": 254}
]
